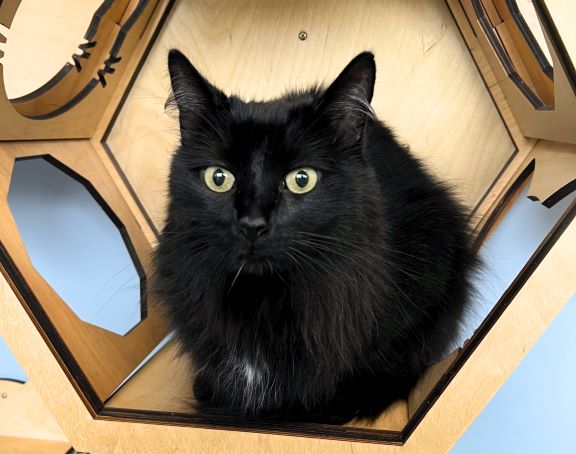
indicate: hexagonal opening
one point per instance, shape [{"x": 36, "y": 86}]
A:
[
  {"x": 427, "y": 115},
  {"x": 77, "y": 244}
]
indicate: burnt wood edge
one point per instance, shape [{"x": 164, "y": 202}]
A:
[
  {"x": 93, "y": 83},
  {"x": 115, "y": 220},
  {"x": 46, "y": 87},
  {"x": 558, "y": 195},
  {"x": 556, "y": 40},
  {"x": 90, "y": 32},
  {"x": 113, "y": 56},
  {"x": 314, "y": 430},
  {"x": 48, "y": 331},
  {"x": 514, "y": 144},
  {"x": 13, "y": 380},
  {"x": 492, "y": 317},
  {"x": 503, "y": 56},
  {"x": 117, "y": 111},
  {"x": 98, "y": 14},
  {"x": 142, "y": 4},
  {"x": 503, "y": 203},
  {"x": 533, "y": 44}
]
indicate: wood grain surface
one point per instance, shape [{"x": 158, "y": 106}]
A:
[
  {"x": 24, "y": 415},
  {"x": 427, "y": 89},
  {"x": 105, "y": 358},
  {"x": 46, "y": 33}
]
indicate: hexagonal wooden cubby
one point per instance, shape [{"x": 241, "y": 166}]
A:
[{"x": 457, "y": 80}]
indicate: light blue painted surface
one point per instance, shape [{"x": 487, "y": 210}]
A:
[
  {"x": 535, "y": 402},
  {"x": 9, "y": 367},
  {"x": 505, "y": 253},
  {"x": 75, "y": 246},
  {"x": 535, "y": 410}
]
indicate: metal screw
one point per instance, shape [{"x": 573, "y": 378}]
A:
[
  {"x": 302, "y": 36},
  {"x": 4, "y": 395}
]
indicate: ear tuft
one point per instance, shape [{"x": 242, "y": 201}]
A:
[
  {"x": 191, "y": 93},
  {"x": 347, "y": 99}
]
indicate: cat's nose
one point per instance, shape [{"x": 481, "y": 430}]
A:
[{"x": 253, "y": 226}]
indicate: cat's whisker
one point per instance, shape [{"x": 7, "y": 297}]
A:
[
  {"x": 371, "y": 253},
  {"x": 371, "y": 245},
  {"x": 237, "y": 274}
]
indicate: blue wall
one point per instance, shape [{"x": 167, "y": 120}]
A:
[
  {"x": 535, "y": 410},
  {"x": 9, "y": 367}
]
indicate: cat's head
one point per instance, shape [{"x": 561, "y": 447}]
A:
[{"x": 270, "y": 186}]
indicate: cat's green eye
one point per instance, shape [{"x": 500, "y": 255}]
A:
[
  {"x": 218, "y": 179},
  {"x": 301, "y": 181}
]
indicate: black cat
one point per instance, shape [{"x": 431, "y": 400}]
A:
[{"x": 309, "y": 265}]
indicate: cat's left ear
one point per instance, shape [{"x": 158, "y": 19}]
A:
[{"x": 347, "y": 99}]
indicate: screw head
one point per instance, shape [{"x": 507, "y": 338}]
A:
[
  {"x": 302, "y": 36},
  {"x": 4, "y": 395}
]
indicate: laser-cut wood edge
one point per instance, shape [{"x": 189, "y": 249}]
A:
[
  {"x": 554, "y": 124},
  {"x": 98, "y": 358},
  {"x": 72, "y": 107}
]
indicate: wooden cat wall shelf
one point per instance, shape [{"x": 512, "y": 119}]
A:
[{"x": 468, "y": 89}]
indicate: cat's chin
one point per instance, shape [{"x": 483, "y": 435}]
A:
[
  {"x": 255, "y": 264},
  {"x": 257, "y": 267}
]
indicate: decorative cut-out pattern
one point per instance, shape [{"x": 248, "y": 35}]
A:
[
  {"x": 517, "y": 48},
  {"x": 75, "y": 242}
]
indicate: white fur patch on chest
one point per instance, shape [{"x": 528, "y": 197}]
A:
[
  {"x": 252, "y": 374},
  {"x": 250, "y": 379}
]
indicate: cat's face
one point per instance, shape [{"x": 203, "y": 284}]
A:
[{"x": 262, "y": 186}]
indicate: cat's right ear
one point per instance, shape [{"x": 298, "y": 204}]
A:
[{"x": 191, "y": 93}]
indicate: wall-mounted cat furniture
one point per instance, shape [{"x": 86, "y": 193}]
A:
[{"x": 464, "y": 89}]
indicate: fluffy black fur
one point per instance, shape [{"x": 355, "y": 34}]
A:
[{"x": 350, "y": 290}]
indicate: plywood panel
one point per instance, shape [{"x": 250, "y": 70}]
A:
[
  {"x": 24, "y": 415},
  {"x": 104, "y": 357},
  {"x": 492, "y": 74},
  {"x": 46, "y": 33},
  {"x": 555, "y": 173},
  {"x": 165, "y": 384},
  {"x": 563, "y": 14},
  {"x": 551, "y": 124},
  {"x": 428, "y": 88},
  {"x": 10, "y": 445}
]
